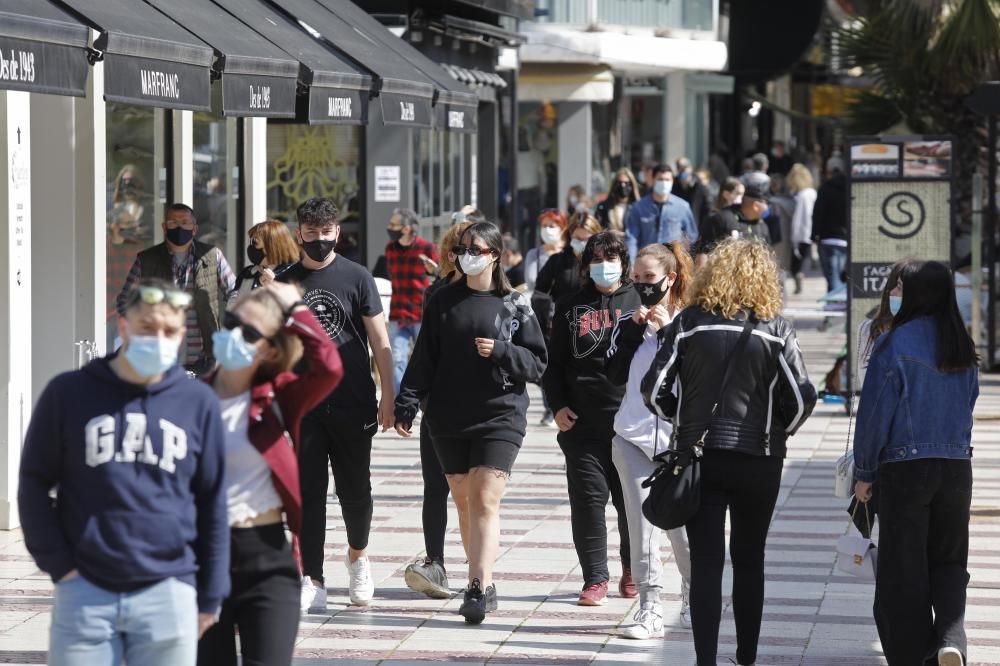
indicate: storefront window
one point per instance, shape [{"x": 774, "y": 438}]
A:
[
  {"x": 316, "y": 161},
  {"x": 216, "y": 184},
  {"x": 423, "y": 172},
  {"x": 537, "y": 160},
  {"x": 136, "y": 193}
]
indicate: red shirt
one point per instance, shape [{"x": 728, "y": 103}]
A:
[{"x": 409, "y": 278}]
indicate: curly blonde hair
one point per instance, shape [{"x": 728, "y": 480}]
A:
[{"x": 740, "y": 275}]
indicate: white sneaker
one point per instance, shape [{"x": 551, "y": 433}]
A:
[
  {"x": 313, "y": 599},
  {"x": 648, "y": 624},
  {"x": 685, "y": 604},
  {"x": 949, "y": 656},
  {"x": 361, "y": 589}
]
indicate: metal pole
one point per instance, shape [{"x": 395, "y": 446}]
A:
[
  {"x": 991, "y": 231},
  {"x": 976, "y": 282}
]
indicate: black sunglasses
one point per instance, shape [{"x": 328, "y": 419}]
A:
[
  {"x": 471, "y": 250},
  {"x": 250, "y": 334}
]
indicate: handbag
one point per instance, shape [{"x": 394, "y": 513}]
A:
[
  {"x": 857, "y": 555},
  {"x": 843, "y": 471},
  {"x": 675, "y": 485}
]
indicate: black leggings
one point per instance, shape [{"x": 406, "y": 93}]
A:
[
  {"x": 799, "y": 256},
  {"x": 435, "y": 509},
  {"x": 748, "y": 487},
  {"x": 348, "y": 448},
  {"x": 264, "y": 602},
  {"x": 591, "y": 477}
]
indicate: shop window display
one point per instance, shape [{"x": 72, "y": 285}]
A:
[{"x": 216, "y": 183}]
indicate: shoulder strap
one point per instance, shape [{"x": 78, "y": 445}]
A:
[{"x": 741, "y": 344}]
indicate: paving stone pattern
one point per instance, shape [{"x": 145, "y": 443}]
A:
[{"x": 813, "y": 615}]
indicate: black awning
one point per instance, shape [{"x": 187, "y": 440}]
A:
[
  {"x": 43, "y": 49},
  {"x": 406, "y": 93},
  {"x": 258, "y": 78},
  {"x": 338, "y": 90},
  {"x": 456, "y": 104},
  {"x": 148, "y": 59}
]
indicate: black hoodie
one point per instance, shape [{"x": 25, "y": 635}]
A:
[
  {"x": 577, "y": 374},
  {"x": 830, "y": 209}
]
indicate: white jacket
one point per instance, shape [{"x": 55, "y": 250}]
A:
[
  {"x": 634, "y": 422},
  {"x": 802, "y": 218}
]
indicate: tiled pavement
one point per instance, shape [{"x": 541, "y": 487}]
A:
[{"x": 813, "y": 616}]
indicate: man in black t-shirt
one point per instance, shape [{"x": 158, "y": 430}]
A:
[{"x": 343, "y": 296}]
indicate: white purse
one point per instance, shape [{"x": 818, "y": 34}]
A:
[
  {"x": 857, "y": 555},
  {"x": 843, "y": 473}
]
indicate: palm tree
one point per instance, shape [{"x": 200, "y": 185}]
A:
[{"x": 925, "y": 57}]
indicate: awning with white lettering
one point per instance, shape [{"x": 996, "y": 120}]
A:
[
  {"x": 455, "y": 104},
  {"x": 257, "y": 77},
  {"x": 405, "y": 93},
  {"x": 43, "y": 49},
  {"x": 149, "y": 59},
  {"x": 338, "y": 91}
]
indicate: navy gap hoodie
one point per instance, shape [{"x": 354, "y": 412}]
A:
[{"x": 139, "y": 477}]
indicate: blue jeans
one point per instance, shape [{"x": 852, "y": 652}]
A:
[
  {"x": 401, "y": 338},
  {"x": 833, "y": 259},
  {"x": 152, "y": 626}
]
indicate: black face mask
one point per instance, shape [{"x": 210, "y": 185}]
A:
[
  {"x": 650, "y": 293},
  {"x": 624, "y": 190},
  {"x": 318, "y": 250},
  {"x": 395, "y": 234},
  {"x": 180, "y": 236},
  {"x": 255, "y": 254}
]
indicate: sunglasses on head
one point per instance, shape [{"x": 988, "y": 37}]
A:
[
  {"x": 471, "y": 250},
  {"x": 154, "y": 296},
  {"x": 250, "y": 334}
]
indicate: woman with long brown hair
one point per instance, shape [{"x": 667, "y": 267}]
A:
[
  {"x": 271, "y": 252},
  {"x": 661, "y": 275},
  {"x": 624, "y": 192}
]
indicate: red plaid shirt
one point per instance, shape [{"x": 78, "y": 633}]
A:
[{"x": 409, "y": 278}]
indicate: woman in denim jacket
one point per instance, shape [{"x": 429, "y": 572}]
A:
[{"x": 913, "y": 439}]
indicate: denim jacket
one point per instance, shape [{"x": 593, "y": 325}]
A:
[
  {"x": 910, "y": 409},
  {"x": 676, "y": 223}
]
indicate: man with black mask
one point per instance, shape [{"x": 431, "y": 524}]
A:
[
  {"x": 343, "y": 296},
  {"x": 197, "y": 268}
]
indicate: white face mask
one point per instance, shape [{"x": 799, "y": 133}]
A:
[
  {"x": 578, "y": 246},
  {"x": 551, "y": 235},
  {"x": 474, "y": 265}
]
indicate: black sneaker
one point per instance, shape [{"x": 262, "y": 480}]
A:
[
  {"x": 474, "y": 605},
  {"x": 428, "y": 577}
]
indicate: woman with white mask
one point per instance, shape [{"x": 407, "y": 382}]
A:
[{"x": 479, "y": 344}]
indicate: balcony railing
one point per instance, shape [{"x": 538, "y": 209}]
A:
[{"x": 698, "y": 15}]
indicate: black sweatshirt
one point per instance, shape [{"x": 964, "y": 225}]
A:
[
  {"x": 582, "y": 341},
  {"x": 470, "y": 396}
]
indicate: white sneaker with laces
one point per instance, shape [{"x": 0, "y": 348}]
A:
[
  {"x": 648, "y": 624},
  {"x": 685, "y": 604},
  {"x": 313, "y": 599},
  {"x": 949, "y": 656},
  {"x": 361, "y": 588}
]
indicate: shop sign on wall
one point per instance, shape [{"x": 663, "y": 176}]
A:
[{"x": 388, "y": 188}]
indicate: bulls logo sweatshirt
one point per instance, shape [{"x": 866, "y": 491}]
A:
[{"x": 138, "y": 473}]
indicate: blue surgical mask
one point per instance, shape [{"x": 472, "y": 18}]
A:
[
  {"x": 662, "y": 187},
  {"x": 895, "y": 303},
  {"x": 606, "y": 273},
  {"x": 231, "y": 350},
  {"x": 151, "y": 355}
]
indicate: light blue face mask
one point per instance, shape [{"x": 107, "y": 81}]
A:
[
  {"x": 150, "y": 355},
  {"x": 662, "y": 187},
  {"x": 606, "y": 273},
  {"x": 895, "y": 303},
  {"x": 231, "y": 350}
]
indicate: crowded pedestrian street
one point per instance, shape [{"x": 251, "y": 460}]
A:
[{"x": 813, "y": 616}]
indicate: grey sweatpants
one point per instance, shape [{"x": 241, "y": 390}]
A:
[{"x": 634, "y": 466}]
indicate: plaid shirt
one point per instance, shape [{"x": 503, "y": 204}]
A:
[{"x": 409, "y": 278}]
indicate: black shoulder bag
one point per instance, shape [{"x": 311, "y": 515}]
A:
[{"x": 675, "y": 486}]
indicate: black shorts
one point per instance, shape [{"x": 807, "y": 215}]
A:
[{"x": 458, "y": 456}]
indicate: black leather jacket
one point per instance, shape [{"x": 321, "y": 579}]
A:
[{"x": 768, "y": 396}]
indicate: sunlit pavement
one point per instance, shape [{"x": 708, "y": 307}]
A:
[{"x": 813, "y": 615}]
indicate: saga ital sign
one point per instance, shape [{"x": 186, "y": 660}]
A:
[{"x": 900, "y": 193}]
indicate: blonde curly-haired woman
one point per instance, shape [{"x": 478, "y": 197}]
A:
[{"x": 743, "y": 425}]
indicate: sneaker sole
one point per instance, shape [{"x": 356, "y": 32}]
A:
[
  {"x": 590, "y": 602},
  {"x": 360, "y": 602},
  {"x": 472, "y": 615},
  {"x": 950, "y": 659},
  {"x": 661, "y": 634},
  {"x": 420, "y": 583}
]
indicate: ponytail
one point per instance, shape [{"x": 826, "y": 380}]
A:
[{"x": 673, "y": 258}]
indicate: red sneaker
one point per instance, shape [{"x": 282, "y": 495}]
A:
[
  {"x": 593, "y": 595},
  {"x": 626, "y": 586}
]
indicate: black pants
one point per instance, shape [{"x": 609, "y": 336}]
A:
[
  {"x": 592, "y": 477},
  {"x": 435, "y": 509},
  {"x": 348, "y": 448},
  {"x": 264, "y": 602},
  {"x": 922, "y": 558},
  {"x": 799, "y": 255},
  {"x": 748, "y": 487}
]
